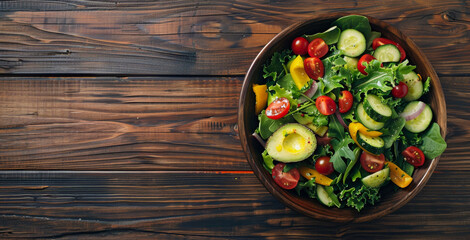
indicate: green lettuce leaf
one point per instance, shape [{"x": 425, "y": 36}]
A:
[
  {"x": 433, "y": 144},
  {"x": 377, "y": 78},
  {"x": 330, "y": 36},
  {"x": 360, "y": 23},
  {"x": 276, "y": 68},
  {"x": 358, "y": 197},
  {"x": 309, "y": 187}
]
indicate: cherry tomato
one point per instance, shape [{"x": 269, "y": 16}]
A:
[
  {"x": 324, "y": 166},
  {"x": 414, "y": 156},
  {"x": 286, "y": 180},
  {"x": 314, "y": 67},
  {"x": 317, "y": 48},
  {"x": 372, "y": 163},
  {"x": 366, "y": 58},
  {"x": 299, "y": 46},
  {"x": 278, "y": 108},
  {"x": 382, "y": 41},
  {"x": 400, "y": 90},
  {"x": 325, "y": 105},
  {"x": 345, "y": 101}
]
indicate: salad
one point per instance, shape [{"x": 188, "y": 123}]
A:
[{"x": 342, "y": 114}]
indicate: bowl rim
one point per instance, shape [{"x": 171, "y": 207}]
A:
[{"x": 283, "y": 197}]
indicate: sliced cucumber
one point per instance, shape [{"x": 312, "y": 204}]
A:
[
  {"x": 366, "y": 120},
  {"x": 352, "y": 42},
  {"x": 387, "y": 53},
  {"x": 374, "y": 145},
  {"x": 303, "y": 118},
  {"x": 323, "y": 196},
  {"x": 415, "y": 86},
  {"x": 376, "y": 109},
  {"x": 421, "y": 122},
  {"x": 351, "y": 63},
  {"x": 376, "y": 179}
]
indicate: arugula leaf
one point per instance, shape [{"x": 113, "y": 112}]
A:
[
  {"x": 433, "y": 144},
  {"x": 286, "y": 82},
  {"x": 357, "y": 152},
  {"x": 330, "y": 79},
  {"x": 268, "y": 126},
  {"x": 318, "y": 118},
  {"x": 277, "y": 91},
  {"x": 356, "y": 173},
  {"x": 335, "y": 129},
  {"x": 392, "y": 130},
  {"x": 357, "y": 22},
  {"x": 402, "y": 69},
  {"x": 330, "y": 36},
  {"x": 276, "y": 68},
  {"x": 377, "y": 78},
  {"x": 342, "y": 150}
]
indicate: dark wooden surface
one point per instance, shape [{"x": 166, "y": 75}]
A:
[{"x": 118, "y": 120}]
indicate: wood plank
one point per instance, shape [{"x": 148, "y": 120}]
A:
[
  {"x": 119, "y": 123},
  {"x": 150, "y": 123},
  {"x": 209, "y": 38},
  {"x": 197, "y": 205}
]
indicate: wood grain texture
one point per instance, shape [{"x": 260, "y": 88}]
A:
[
  {"x": 119, "y": 123},
  {"x": 150, "y": 123},
  {"x": 227, "y": 206},
  {"x": 198, "y": 37}
]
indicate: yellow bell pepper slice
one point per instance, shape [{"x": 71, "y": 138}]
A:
[
  {"x": 309, "y": 173},
  {"x": 298, "y": 73},
  {"x": 355, "y": 127},
  {"x": 398, "y": 176},
  {"x": 261, "y": 95}
]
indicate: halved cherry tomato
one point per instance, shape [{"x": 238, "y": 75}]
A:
[
  {"x": 325, "y": 105},
  {"x": 314, "y": 67},
  {"x": 366, "y": 58},
  {"x": 345, "y": 101},
  {"x": 286, "y": 180},
  {"x": 400, "y": 90},
  {"x": 278, "y": 108},
  {"x": 383, "y": 41},
  {"x": 299, "y": 46},
  {"x": 317, "y": 48},
  {"x": 372, "y": 163},
  {"x": 324, "y": 166},
  {"x": 414, "y": 156}
]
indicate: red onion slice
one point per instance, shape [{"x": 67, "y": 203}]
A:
[
  {"x": 415, "y": 112},
  {"x": 310, "y": 92},
  {"x": 340, "y": 119},
  {"x": 259, "y": 138}
]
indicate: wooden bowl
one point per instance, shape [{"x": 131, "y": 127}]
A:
[{"x": 248, "y": 122}]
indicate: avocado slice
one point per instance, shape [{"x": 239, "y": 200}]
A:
[{"x": 292, "y": 142}]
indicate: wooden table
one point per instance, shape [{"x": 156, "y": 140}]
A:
[{"x": 118, "y": 120}]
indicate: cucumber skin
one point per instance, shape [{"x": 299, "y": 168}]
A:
[
  {"x": 323, "y": 197},
  {"x": 368, "y": 147},
  {"x": 365, "y": 122},
  {"x": 372, "y": 113},
  {"x": 375, "y": 175},
  {"x": 380, "y": 49}
]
